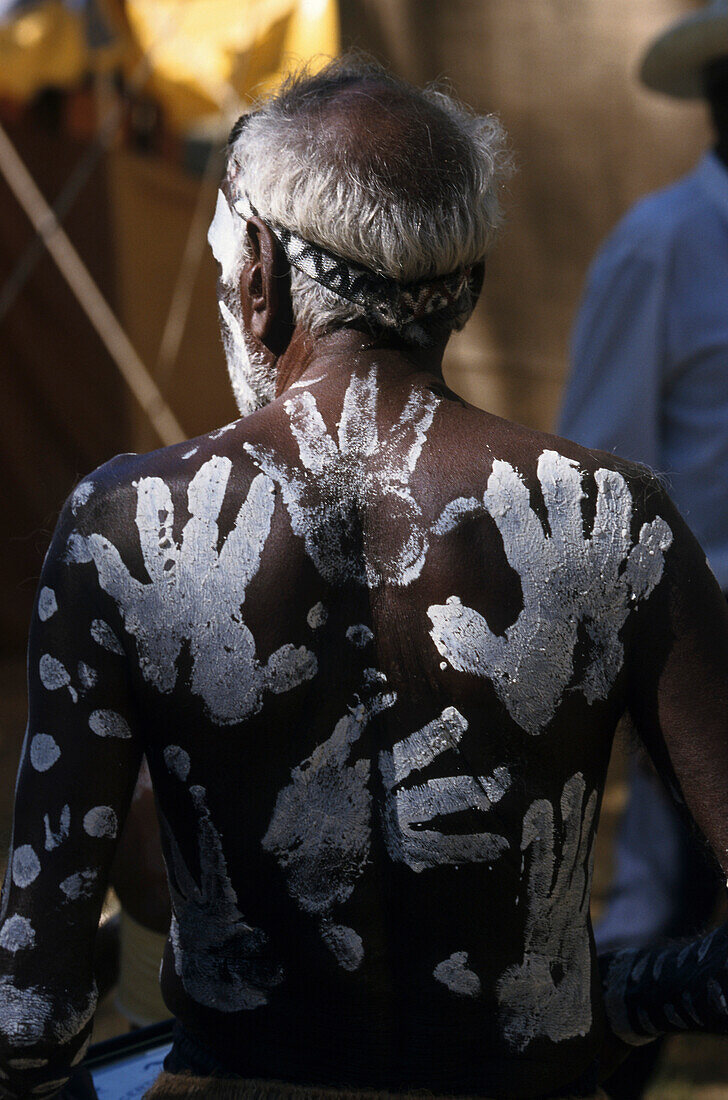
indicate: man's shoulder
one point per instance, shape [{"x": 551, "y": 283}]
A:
[{"x": 201, "y": 466}]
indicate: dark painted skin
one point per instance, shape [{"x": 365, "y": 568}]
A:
[{"x": 386, "y": 1022}]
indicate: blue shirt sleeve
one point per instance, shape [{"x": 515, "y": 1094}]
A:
[{"x": 612, "y": 398}]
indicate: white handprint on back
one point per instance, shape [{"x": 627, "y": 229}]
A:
[
  {"x": 188, "y": 586},
  {"x": 568, "y": 581}
]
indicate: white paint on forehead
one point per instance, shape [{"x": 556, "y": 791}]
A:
[
  {"x": 26, "y": 865},
  {"x": 81, "y": 495},
  {"x": 320, "y": 830},
  {"x": 195, "y": 593},
  {"x": 192, "y": 451},
  {"x": 317, "y": 616},
  {"x": 88, "y": 677},
  {"x": 47, "y": 604},
  {"x": 359, "y": 635},
  {"x": 407, "y": 810},
  {"x": 345, "y": 944},
  {"x": 340, "y": 478},
  {"x": 177, "y": 761},
  {"x": 225, "y": 239},
  {"x": 17, "y": 934},
  {"x": 104, "y": 636},
  {"x": 570, "y": 583},
  {"x": 107, "y": 723},
  {"x": 80, "y": 885},
  {"x": 54, "y": 838},
  {"x": 101, "y": 821},
  {"x": 536, "y": 1000},
  {"x": 223, "y": 962},
  {"x": 44, "y": 752},
  {"x": 457, "y": 976}
]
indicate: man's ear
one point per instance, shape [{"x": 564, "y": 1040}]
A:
[{"x": 266, "y": 284}]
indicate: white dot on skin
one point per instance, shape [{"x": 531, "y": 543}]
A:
[
  {"x": 107, "y": 723},
  {"x": 44, "y": 752},
  {"x": 80, "y": 885},
  {"x": 26, "y": 865},
  {"x": 359, "y": 635},
  {"x": 17, "y": 934},
  {"x": 53, "y": 674},
  {"x": 317, "y": 616},
  {"x": 100, "y": 821},
  {"x": 47, "y": 605},
  {"x": 178, "y": 761}
]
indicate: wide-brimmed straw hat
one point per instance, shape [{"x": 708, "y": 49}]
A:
[{"x": 675, "y": 61}]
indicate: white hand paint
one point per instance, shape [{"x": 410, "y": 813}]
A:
[
  {"x": 406, "y": 810},
  {"x": 568, "y": 582},
  {"x": 549, "y": 993},
  {"x": 195, "y": 594},
  {"x": 455, "y": 973},
  {"x": 221, "y": 959},
  {"x": 340, "y": 477},
  {"x": 320, "y": 831}
]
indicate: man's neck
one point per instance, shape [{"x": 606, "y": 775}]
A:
[{"x": 333, "y": 355}]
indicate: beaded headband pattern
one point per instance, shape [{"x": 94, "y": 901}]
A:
[{"x": 383, "y": 302}]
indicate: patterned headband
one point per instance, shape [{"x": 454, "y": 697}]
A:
[{"x": 383, "y": 301}]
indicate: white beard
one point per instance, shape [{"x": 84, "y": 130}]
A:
[{"x": 252, "y": 378}]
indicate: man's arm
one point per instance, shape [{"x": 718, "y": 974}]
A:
[
  {"x": 80, "y": 759},
  {"x": 611, "y": 400},
  {"x": 678, "y": 700}
]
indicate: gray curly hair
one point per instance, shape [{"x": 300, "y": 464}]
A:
[{"x": 402, "y": 181}]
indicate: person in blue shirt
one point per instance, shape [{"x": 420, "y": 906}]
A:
[{"x": 649, "y": 381}]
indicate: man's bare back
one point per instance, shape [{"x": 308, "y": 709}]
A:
[{"x": 374, "y": 644}]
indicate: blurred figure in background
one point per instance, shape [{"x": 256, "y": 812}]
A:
[{"x": 650, "y": 382}]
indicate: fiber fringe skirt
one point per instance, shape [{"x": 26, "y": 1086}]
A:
[{"x": 184, "y": 1086}]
